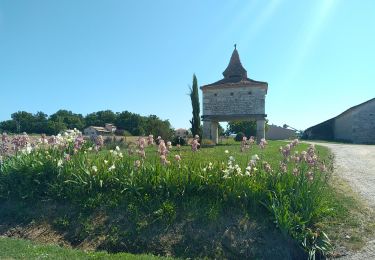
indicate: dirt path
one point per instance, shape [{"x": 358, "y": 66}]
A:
[{"x": 356, "y": 164}]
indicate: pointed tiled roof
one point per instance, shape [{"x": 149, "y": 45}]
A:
[
  {"x": 235, "y": 68},
  {"x": 235, "y": 75}
]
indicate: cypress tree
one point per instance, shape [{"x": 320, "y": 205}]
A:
[{"x": 195, "y": 121}]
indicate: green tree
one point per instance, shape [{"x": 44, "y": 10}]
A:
[
  {"x": 158, "y": 127},
  {"x": 100, "y": 118},
  {"x": 24, "y": 121},
  {"x": 70, "y": 119},
  {"x": 130, "y": 122},
  {"x": 221, "y": 130},
  {"x": 40, "y": 123},
  {"x": 194, "y": 96},
  {"x": 248, "y": 128},
  {"x": 8, "y": 126},
  {"x": 55, "y": 127},
  {"x": 92, "y": 120}
]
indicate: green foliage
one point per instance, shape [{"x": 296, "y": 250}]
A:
[
  {"x": 178, "y": 140},
  {"x": 70, "y": 119},
  {"x": 22, "y": 249},
  {"x": 8, "y": 126},
  {"x": 157, "y": 127},
  {"x": 133, "y": 124},
  {"x": 100, "y": 118},
  {"x": 196, "y": 120},
  {"x": 55, "y": 127},
  {"x": 221, "y": 130},
  {"x": 248, "y": 128}
]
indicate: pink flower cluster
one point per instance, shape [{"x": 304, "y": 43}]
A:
[
  {"x": 287, "y": 148},
  {"x": 141, "y": 147},
  {"x": 162, "y": 148},
  {"x": 311, "y": 159},
  {"x": 263, "y": 143},
  {"x": 78, "y": 142},
  {"x": 20, "y": 142},
  {"x": 247, "y": 143},
  {"x": 308, "y": 156},
  {"x": 163, "y": 151},
  {"x": 195, "y": 144},
  {"x": 4, "y": 144}
]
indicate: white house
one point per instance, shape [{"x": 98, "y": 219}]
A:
[
  {"x": 182, "y": 132},
  {"x": 99, "y": 130}
]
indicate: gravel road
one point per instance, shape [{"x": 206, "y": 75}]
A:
[{"x": 356, "y": 164}]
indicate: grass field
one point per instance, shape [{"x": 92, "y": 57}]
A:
[{"x": 22, "y": 249}]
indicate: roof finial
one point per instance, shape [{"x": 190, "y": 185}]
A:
[{"x": 235, "y": 46}]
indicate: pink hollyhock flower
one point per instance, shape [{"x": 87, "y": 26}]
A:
[{"x": 195, "y": 145}]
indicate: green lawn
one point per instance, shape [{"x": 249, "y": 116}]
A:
[{"x": 23, "y": 249}]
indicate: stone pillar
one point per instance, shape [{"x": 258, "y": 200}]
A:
[
  {"x": 260, "y": 129},
  {"x": 214, "y": 132},
  {"x": 206, "y": 133}
]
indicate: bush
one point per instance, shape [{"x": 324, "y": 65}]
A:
[
  {"x": 239, "y": 137},
  {"x": 178, "y": 140}
]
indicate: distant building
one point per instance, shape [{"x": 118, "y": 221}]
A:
[
  {"x": 182, "y": 132},
  {"x": 110, "y": 127},
  {"x": 279, "y": 133},
  {"x": 99, "y": 130},
  {"x": 355, "y": 125}
]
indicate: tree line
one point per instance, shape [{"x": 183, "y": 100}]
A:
[{"x": 127, "y": 122}]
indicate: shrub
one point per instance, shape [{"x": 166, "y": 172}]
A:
[
  {"x": 239, "y": 137},
  {"x": 178, "y": 140}
]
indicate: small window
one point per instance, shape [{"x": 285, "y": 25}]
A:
[
  {"x": 215, "y": 94},
  {"x": 231, "y": 93},
  {"x": 249, "y": 93}
]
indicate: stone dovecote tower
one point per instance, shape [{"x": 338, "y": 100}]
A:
[{"x": 235, "y": 97}]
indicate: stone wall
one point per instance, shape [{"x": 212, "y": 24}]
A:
[
  {"x": 279, "y": 133},
  {"x": 229, "y": 101},
  {"x": 343, "y": 127},
  {"x": 364, "y": 124},
  {"x": 355, "y": 125}
]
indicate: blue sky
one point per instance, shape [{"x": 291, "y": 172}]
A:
[{"x": 318, "y": 56}]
